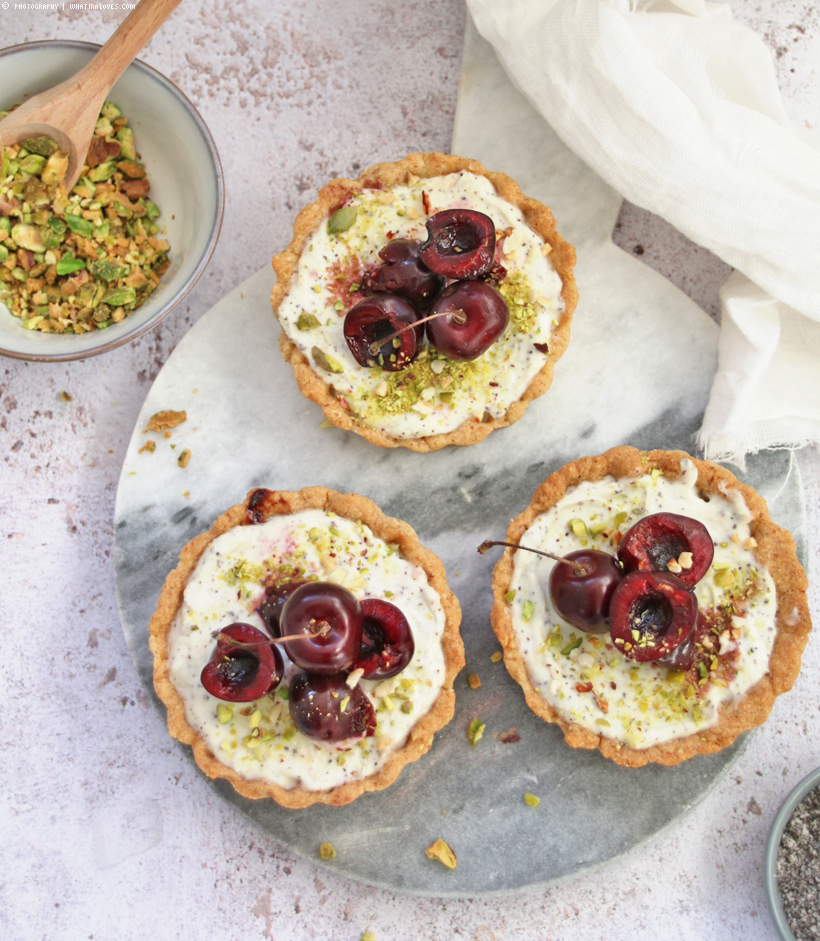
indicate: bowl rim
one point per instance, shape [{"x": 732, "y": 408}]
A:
[
  {"x": 787, "y": 808},
  {"x": 219, "y": 177}
]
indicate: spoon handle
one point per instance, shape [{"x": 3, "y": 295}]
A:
[{"x": 117, "y": 54}]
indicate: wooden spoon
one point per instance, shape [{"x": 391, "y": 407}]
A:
[{"x": 68, "y": 112}]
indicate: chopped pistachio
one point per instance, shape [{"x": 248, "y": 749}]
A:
[
  {"x": 509, "y": 595},
  {"x": 323, "y": 361},
  {"x": 579, "y": 527},
  {"x": 341, "y": 220},
  {"x": 527, "y": 610},
  {"x": 496, "y": 657},
  {"x": 531, "y": 800},
  {"x": 368, "y": 936},
  {"x": 327, "y": 851},
  {"x": 407, "y": 707},
  {"x": 574, "y": 642},
  {"x": 183, "y": 459},
  {"x": 475, "y": 732},
  {"x": 307, "y": 322},
  {"x": 443, "y": 853},
  {"x": 473, "y": 681}
]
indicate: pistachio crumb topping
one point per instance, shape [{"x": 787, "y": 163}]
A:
[
  {"x": 531, "y": 800},
  {"x": 443, "y": 853},
  {"x": 475, "y": 732},
  {"x": 327, "y": 851}
]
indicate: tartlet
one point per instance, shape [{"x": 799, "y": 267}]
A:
[
  {"x": 321, "y": 275},
  {"x": 752, "y": 601},
  {"x": 313, "y": 533}
]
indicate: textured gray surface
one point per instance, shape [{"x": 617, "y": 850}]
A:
[{"x": 111, "y": 831}]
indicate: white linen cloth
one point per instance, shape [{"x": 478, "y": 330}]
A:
[{"x": 677, "y": 107}]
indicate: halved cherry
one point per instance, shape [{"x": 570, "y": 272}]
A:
[
  {"x": 460, "y": 243},
  {"x": 658, "y": 540},
  {"x": 387, "y": 641},
  {"x": 325, "y": 707},
  {"x": 244, "y": 666},
  {"x": 375, "y": 332},
  {"x": 651, "y": 614}
]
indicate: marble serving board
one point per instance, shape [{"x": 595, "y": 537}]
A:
[{"x": 637, "y": 371}]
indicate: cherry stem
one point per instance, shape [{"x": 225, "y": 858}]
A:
[
  {"x": 580, "y": 569},
  {"x": 230, "y": 642},
  {"x": 458, "y": 316}
]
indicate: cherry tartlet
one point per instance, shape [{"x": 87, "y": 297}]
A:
[
  {"x": 670, "y": 612},
  {"x": 306, "y": 647},
  {"x": 425, "y": 303}
]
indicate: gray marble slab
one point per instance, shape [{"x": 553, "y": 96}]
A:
[{"x": 637, "y": 372}]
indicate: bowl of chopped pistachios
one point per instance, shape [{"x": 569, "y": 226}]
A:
[{"x": 84, "y": 271}]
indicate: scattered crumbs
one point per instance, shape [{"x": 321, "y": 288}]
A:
[
  {"x": 132, "y": 473},
  {"x": 473, "y": 680},
  {"x": 457, "y": 574},
  {"x": 186, "y": 494},
  {"x": 368, "y": 936},
  {"x": 475, "y": 732},
  {"x": 327, "y": 852},
  {"x": 195, "y": 391},
  {"x": 510, "y": 737},
  {"x": 149, "y": 446},
  {"x": 167, "y": 419},
  {"x": 496, "y": 656},
  {"x": 65, "y": 396},
  {"x": 166, "y": 434},
  {"x": 443, "y": 853},
  {"x": 183, "y": 459},
  {"x": 531, "y": 800}
]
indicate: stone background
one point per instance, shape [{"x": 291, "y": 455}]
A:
[{"x": 107, "y": 830}]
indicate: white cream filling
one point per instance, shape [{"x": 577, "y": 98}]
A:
[
  {"x": 640, "y": 704},
  {"x": 511, "y": 362},
  {"x": 227, "y": 586}
]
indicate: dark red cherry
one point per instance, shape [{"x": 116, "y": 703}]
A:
[
  {"x": 325, "y": 707},
  {"x": 312, "y": 607},
  {"x": 460, "y": 243},
  {"x": 650, "y": 614},
  {"x": 404, "y": 274},
  {"x": 476, "y": 316},
  {"x": 582, "y": 597},
  {"x": 375, "y": 318},
  {"x": 237, "y": 673},
  {"x": 387, "y": 641},
  {"x": 270, "y": 610},
  {"x": 660, "y": 538}
]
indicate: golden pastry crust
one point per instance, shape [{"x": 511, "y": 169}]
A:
[
  {"x": 775, "y": 549},
  {"x": 384, "y": 175},
  {"x": 259, "y": 506}
]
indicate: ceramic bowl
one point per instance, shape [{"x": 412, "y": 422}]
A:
[
  {"x": 186, "y": 183},
  {"x": 808, "y": 784}
]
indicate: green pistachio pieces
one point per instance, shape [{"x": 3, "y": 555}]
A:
[
  {"x": 531, "y": 800},
  {"x": 43, "y": 146},
  {"x": 475, "y": 732},
  {"x": 327, "y": 852},
  {"x": 341, "y": 220},
  {"x": 106, "y": 271},
  {"x": 79, "y": 226},
  {"x": 69, "y": 265},
  {"x": 323, "y": 361},
  {"x": 33, "y": 164},
  {"x": 307, "y": 322},
  {"x": 120, "y": 297},
  {"x": 527, "y": 609},
  {"x": 443, "y": 853},
  {"x": 28, "y": 237}
]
